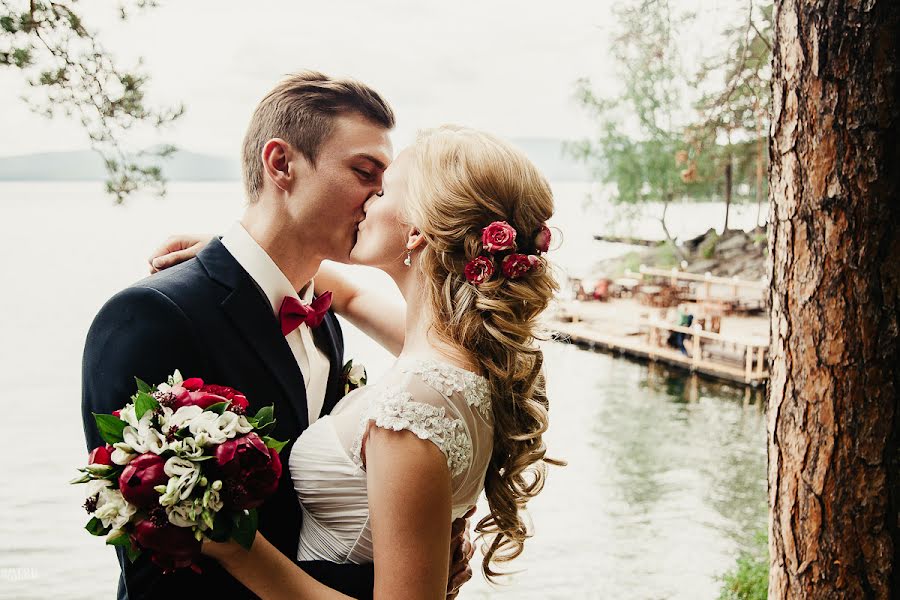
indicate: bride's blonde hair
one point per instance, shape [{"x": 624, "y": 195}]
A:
[{"x": 461, "y": 181}]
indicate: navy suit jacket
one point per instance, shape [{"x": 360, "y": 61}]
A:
[{"x": 209, "y": 319}]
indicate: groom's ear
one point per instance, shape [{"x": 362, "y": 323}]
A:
[
  {"x": 277, "y": 156},
  {"x": 414, "y": 239}
]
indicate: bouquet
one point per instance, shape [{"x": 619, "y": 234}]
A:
[{"x": 182, "y": 463}]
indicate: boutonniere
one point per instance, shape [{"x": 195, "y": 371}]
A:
[{"x": 354, "y": 376}]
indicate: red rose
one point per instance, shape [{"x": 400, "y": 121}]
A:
[
  {"x": 542, "y": 238},
  {"x": 186, "y": 397},
  {"x": 117, "y": 413},
  {"x": 479, "y": 270},
  {"x": 498, "y": 236},
  {"x": 250, "y": 471},
  {"x": 516, "y": 265},
  {"x": 537, "y": 265},
  {"x": 139, "y": 478},
  {"x": 171, "y": 547},
  {"x": 193, "y": 384},
  {"x": 237, "y": 399},
  {"x": 101, "y": 455}
]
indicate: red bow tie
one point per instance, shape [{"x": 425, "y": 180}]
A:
[{"x": 293, "y": 313}]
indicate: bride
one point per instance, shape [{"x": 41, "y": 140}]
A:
[{"x": 460, "y": 226}]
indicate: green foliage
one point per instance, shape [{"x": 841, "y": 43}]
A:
[
  {"x": 732, "y": 115},
  {"x": 666, "y": 256},
  {"x": 749, "y": 579},
  {"x": 707, "y": 248},
  {"x": 72, "y": 74},
  {"x": 639, "y": 139}
]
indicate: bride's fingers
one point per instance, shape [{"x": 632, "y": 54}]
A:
[{"x": 160, "y": 262}]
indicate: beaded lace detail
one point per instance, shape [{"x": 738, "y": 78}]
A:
[
  {"x": 396, "y": 410},
  {"x": 449, "y": 379}
]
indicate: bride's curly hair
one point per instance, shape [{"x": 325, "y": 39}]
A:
[{"x": 461, "y": 181}]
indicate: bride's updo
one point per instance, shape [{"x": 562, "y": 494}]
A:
[{"x": 461, "y": 182}]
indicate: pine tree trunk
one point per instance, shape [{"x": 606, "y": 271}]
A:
[
  {"x": 834, "y": 396},
  {"x": 729, "y": 185}
]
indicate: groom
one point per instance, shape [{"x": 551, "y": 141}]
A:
[{"x": 314, "y": 152}]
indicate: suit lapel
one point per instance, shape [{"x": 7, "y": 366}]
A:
[{"x": 250, "y": 313}]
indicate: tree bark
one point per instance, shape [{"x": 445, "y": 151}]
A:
[
  {"x": 729, "y": 185},
  {"x": 834, "y": 394}
]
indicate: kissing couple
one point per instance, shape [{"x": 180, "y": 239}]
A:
[{"x": 378, "y": 484}]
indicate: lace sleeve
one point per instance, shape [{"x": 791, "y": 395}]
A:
[{"x": 397, "y": 410}]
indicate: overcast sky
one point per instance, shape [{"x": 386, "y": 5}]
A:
[{"x": 501, "y": 65}]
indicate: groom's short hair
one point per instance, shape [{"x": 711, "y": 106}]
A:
[{"x": 301, "y": 110}]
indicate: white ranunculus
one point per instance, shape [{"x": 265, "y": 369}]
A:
[
  {"x": 212, "y": 499},
  {"x": 210, "y": 428},
  {"x": 122, "y": 454},
  {"x": 145, "y": 438},
  {"x": 187, "y": 448},
  {"x": 95, "y": 486},
  {"x": 232, "y": 424},
  {"x": 128, "y": 415},
  {"x": 173, "y": 380},
  {"x": 183, "y": 514},
  {"x": 112, "y": 509},
  {"x": 183, "y": 476},
  {"x": 181, "y": 418}
]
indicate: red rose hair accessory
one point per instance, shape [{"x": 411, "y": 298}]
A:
[
  {"x": 542, "y": 238},
  {"x": 479, "y": 270},
  {"x": 498, "y": 236},
  {"x": 516, "y": 265}
]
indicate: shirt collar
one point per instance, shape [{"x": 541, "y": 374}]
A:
[{"x": 262, "y": 269}]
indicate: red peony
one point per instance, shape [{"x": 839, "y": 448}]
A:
[
  {"x": 479, "y": 270},
  {"x": 139, "y": 478},
  {"x": 237, "y": 399},
  {"x": 516, "y": 265},
  {"x": 250, "y": 471},
  {"x": 542, "y": 239},
  {"x": 101, "y": 455},
  {"x": 172, "y": 547},
  {"x": 193, "y": 392},
  {"x": 498, "y": 236}
]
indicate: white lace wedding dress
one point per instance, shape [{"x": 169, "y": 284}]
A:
[{"x": 437, "y": 401}]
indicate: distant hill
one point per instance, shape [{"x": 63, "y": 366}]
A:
[{"x": 86, "y": 165}]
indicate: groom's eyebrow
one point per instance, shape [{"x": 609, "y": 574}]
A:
[{"x": 372, "y": 159}]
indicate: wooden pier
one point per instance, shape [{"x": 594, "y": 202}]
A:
[{"x": 738, "y": 353}]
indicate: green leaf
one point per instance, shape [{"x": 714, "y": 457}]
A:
[
  {"x": 265, "y": 416},
  {"x": 265, "y": 430},
  {"x": 221, "y": 530},
  {"x": 143, "y": 386},
  {"x": 218, "y": 407},
  {"x": 121, "y": 539},
  {"x": 95, "y": 527},
  {"x": 83, "y": 478},
  {"x": 144, "y": 403},
  {"x": 273, "y": 443},
  {"x": 133, "y": 552},
  {"x": 245, "y": 524},
  {"x": 110, "y": 428}
]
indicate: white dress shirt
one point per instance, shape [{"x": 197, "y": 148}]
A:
[{"x": 268, "y": 276}]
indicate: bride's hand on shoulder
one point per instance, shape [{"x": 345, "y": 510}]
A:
[{"x": 177, "y": 249}]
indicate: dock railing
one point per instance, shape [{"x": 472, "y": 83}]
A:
[
  {"x": 754, "y": 353},
  {"x": 706, "y": 282}
]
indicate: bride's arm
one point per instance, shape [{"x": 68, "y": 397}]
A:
[
  {"x": 410, "y": 508},
  {"x": 379, "y": 316},
  {"x": 268, "y": 573}
]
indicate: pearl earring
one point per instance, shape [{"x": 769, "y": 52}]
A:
[{"x": 408, "y": 260}]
